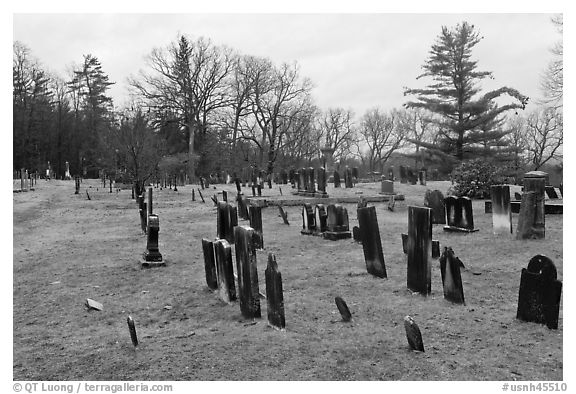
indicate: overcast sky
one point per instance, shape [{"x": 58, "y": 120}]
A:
[{"x": 355, "y": 61}]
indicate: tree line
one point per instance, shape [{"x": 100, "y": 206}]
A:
[{"x": 198, "y": 108}]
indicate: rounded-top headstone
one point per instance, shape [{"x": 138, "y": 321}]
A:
[
  {"x": 413, "y": 334},
  {"x": 540, "y": 264}
]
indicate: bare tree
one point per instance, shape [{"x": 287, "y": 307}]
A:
[
  {"x": 380, "y": 133},
  {"x": 420, "y": 129},
  {"x": 544, "y": 135},
  {"x": 552, "y": 82},
  {"x": 337, "y": 130}
]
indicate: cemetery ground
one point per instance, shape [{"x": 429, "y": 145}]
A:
[{"x": 68, "y": 249}]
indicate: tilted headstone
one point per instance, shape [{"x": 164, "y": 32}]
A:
[
  {"x": 224, "y": 270},
  {"x": 386, "y": 187},
  {"x": 451, "y": 279},
  {"x": 284, "y": 215},
  {"x": 247, "y": 270},
  {"x": 527, "y": 227},
  {"x": 256, "y": 223},
  {"x": 308, "y": 220},
  {"x": 343, "y": 309},
  {"x": 274, "y": 294},
  {"x": 336, "y": 179},
  {"x": 540, "y": 292},
  {"x": 209, "y": 264},
  {"x": 348, "y": 178},
  {"x": 413, "y": 334},
  {"x": 459, "y": 214},
  {"x": 501, "y": 209},
  {"x": 403, "y": 175},
  {"x": 419, "y": 249},
  {"x": 201, "y": 196},
  {"x": 152, "y": 255},
  {"x": 371, "y": 242},
  {"x": 434, "y": 199},
  {"x": 321, "y": 218},
  {"x": 132, "y": 329},
  {"x": 337, "y": 223}
]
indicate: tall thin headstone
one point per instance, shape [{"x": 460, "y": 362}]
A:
[
  {"x": 149, "y": 205},
  {"x": 224, "y": 270},
  {"x": 434, "y": 199},
  {"x": 308, "y": 220},
  {"x": 419, "y": 249},
  {"x": 274, "y": 294},
  {"x": 209, "y": 264},
  {"x": 336, "y": 179},
  {"x": 348, "y": 178},
  {"x": 371, "y": 242},
  {"x": 501, "y": 209},
  {"x": 247, "y": 270},
  {"x": 256, "y": 223}
]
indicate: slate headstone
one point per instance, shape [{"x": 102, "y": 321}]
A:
[
  {"x": 419, "y": 249},
  {"x": 413, "y": 334},
  {"x": 371, "y": 242},
  {"x": 224, "y": 270},
  {"x": 209, "y": 264},
  {"x": 501, "y": 209},
  {"x": 343, "y": 309},
  {"x": 434, "y": 199},
  {"x": 274, "y": 294},
  {"x": 246, "y": 267},
  {"x": 451, "y": 278}
]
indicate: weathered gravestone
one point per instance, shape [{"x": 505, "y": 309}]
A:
[
  {"x": 386, "y": 186},
  {"x": 322, "y": 182},
  {"x": 308, "y": 220},
  {"x": 540, "y": 292},
  {"x": 284, "y": 215},
  {"x": 337, "y": 223},
  {"x": 501, "y": 210},
  {"x": 343, "y": 309},
  {"x": 434, "y": 199},
  {"x": 403, "y": 175},
  {"x": 459, "y": 215},
  {"x": 274, "y": 294},
  {"x": 355, "y": 175},
  {"x": 226, "y": 220},
  {"x": 152, "y": 256},
  {"x": 531, "y": 219},
  {"x": 435, "y": 246},
  {"x": 413, "y": 334},
  {"x": 132, "y": 329},
  {"x": 321, "y": 217},
  {"x": 336, "y": 179},
  {"x": 348, "y": 178},
  {"x": 209, "y": 264},
  {"x": 371, "y": 242},
  {"x": 419, "y": 249},
  {"x": 224, "y": 270},
  {"x": 283, "y": 177},
  {"x": 242, "y": 207},
  {"x": 451, "y": 279},
  {"x": 247, "y": 270},
  {"x": 256, "y": 223},
  {"x": 311, "y": 184},
  {"x": 302, "y": 180},
  {"x": 292, "y": 176}
]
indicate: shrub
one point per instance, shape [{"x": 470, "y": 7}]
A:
[{"x": 473, "y": 178}]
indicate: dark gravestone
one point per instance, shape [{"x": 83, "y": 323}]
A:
[
  {"x": 152, "y": 256},
  {"x": 321, "y": 218},
  {"x": 274, "y": 294},
  {"x": 413, "y": 334},
  {"x": 343, "y": 309},
  {"x": 224, "y": 270},
  {"x": 283, "y": 177},
  {"x": 242, "y": 207},
  {"x": 434, "y": 199},
  {"x": 348, "y": 178},
  {"x": 419, "y": 249},
  {"x": 132, "y": 329},
  {"x": 311, "y": 182},
  {"x": 226, "y": 220},
  {"x": 356, "y": 234},
  {"x": 256, "y": 223},
  {"x": 224, "y": 196},
  {"x": 193, "y": 195},
  {"x": 292, "y": 176},
  {"x": 540, "y": 292},
  {"x": 535, "y": 181},
  {"x": 391, "y": 174},
  {"x": 308, "y": 220},
  {"x": 143, "y": 216},
  {"x": 336, "y": 179},
  {"x": 355, "y": 174},
  {"x": 77, "y": 180},
  {"x": 238, "y": 186},
  {"x": 201, "y": 196},
  {"x": 247, "y": 270},
  {"x": 403, "y": 175},
  {"x": 459, "y": 215},
  {"x": 322, "y": 181},
  {"x": 302, "y": 179},
  {"x": 371, "y": 242},
  {"x": 149, "y": 206},
  {"x": 387, "y": 186},
  {"x": 337, "y": 223},
  {"x": 501, "y": 209},
  {"x": 283, "y": 214},
  {"x": 451, "y": 279},
  {"x": 209, "y": 264}
]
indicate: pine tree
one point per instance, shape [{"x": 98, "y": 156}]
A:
[{"x": 467, "y": 119}]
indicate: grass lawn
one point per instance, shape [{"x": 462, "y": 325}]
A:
[{"x": 67, "y": 249}]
